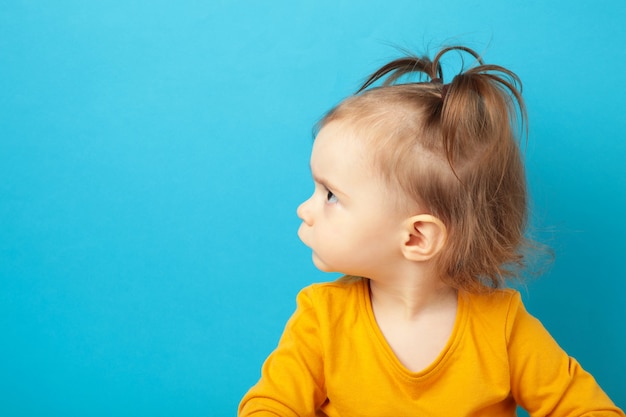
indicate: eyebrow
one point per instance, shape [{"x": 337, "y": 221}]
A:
[{"x": 327, "y": 184}]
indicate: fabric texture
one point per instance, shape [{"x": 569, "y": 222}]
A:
[{"x": 332, "y": 360}]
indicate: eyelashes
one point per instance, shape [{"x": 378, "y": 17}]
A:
[{"x": 330, "y": 197}]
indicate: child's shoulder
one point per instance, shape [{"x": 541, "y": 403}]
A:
[
  {"x": 503, "y": 306},
  {"x": 336, "y": 292},
  {"x": 494, "y": 298}
]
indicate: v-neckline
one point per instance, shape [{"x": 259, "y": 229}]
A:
[{"x": 442, "y": 357}]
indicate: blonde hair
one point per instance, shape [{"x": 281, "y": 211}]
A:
[{"x": 453, "y": 149}]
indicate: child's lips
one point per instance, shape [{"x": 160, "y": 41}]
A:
[{"x": 302, "y": 232}]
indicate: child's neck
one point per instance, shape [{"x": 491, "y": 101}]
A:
[
  {"x": 417, "y": 318},
  {"x": 410, "y": 300}
]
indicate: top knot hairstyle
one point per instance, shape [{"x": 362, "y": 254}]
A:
[{"x": 453, "y": 149}]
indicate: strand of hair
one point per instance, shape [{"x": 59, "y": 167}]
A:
[{"x": 398, "y": 68}]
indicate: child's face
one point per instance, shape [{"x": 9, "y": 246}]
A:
[{"x": 350, "y": 222}]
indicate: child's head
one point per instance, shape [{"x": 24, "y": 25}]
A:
[{"x": 451, "y": 151}]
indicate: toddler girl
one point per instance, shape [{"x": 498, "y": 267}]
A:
[{"x": 420, "y": 200}]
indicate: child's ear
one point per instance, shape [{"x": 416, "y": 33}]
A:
[{"x": 424, "y": 237}]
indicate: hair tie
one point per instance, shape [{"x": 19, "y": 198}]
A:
[
  {"x": 444, "y": 91},
  {"x": 444, "y": 87}
]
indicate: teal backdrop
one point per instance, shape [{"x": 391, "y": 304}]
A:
[{"x": 153, "y": 154}]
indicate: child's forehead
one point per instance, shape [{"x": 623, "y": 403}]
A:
[
  {"x": 338, "y": 140},
  {"x": 344, "y": 143},
  {"x": 367, "y": 140},
  {"x": 338, "y": 144}
]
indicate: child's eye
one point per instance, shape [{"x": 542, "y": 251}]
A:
[{"x": 330, "y": 197}]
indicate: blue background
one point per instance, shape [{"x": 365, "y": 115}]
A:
[{"x": 153, "y": 153}]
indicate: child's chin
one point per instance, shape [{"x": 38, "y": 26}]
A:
[{"x": 320, "y": 264}]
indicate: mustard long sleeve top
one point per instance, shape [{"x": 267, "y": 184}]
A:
[{"x": 332, "y": 360}]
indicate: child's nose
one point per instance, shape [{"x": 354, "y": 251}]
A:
[{"x": 304, "y": 212}]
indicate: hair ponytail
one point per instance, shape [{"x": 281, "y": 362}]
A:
[{"x": 480, "y": 107}]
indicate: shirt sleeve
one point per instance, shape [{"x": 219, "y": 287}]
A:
[
  {"x": 545, "y": 381},
  {"x": 292, "y": 377}
]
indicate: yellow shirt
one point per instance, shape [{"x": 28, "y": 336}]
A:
[{"x": 332, "y": 360}]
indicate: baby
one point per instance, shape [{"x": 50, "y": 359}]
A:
[{"x": 420, "y": 200}]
